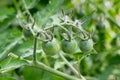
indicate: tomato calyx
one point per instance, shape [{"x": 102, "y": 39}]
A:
[
  {"x": 44, "y": 36},
  {"x": 68, "y": 44},
  {"x": 86, "y": 43}
]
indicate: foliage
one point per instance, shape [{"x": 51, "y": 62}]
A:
[{"x": 26, "y": 24}]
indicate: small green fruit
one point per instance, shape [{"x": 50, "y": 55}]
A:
[
  {"x": 51, "y": 47},
  {"x": 69, "y": 46},
  {"x": 86, "y": 45}
]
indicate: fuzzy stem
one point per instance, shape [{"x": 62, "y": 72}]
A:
[
  {"x": 46, "y": 68},
  {"x": 26, "y": 9},
  {"x": 35, "y": 45},
  {"x": 72, "y": 68},
  {"x": 34, "y": 50},
  {"x": 31, "y": 18}
]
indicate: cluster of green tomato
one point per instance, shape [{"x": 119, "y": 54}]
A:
[
  {"x": 72, "y": 42},
  {"x": 52, "y": 46}
]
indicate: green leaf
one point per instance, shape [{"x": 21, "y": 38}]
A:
[
  {"x": 31, "y": 73},
  {"x": 86, "y": 20},
  {"x": 115, "y": 60},
  {"x": 7, "y": 78},
  {"x": 11, "y": 37},
  {"x": 24, "y": 48},
  {"x": 8, "y": 36},
  {"x": 47, "y": 76},
  {"x": 59, "y": 64},
  {"x": 31, "y": 3},
  {"x": 9, "y": 48},
  {"x": 58, "y": 78},
  {"x": 106, "y": 73},
  {"x": 93, "y": 51},
  {"x": 10, "y": 64},
  {"x": 6, "y": 23},
  {"x": 5, "y": 13},
  {"x": 42, "y": 16}
]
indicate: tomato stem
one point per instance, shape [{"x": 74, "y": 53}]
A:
[
  {"x": 34, "y": 50},
  {"x": 79, "y": 62},
  {"x": 72, "y": 68},
  {"x": 47, "y": 68},
  {"x": 35, "y": 45},
  {"x": 27, "y": 11}
]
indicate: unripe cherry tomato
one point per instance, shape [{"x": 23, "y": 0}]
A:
[
  {"x": 100, "y": 27},
  {"x": 27, "y": 33},
  {"x": 95, "y": 38},
  {"x": 86, "y": 45},
  {"x": 51, "y": 47},
  {"x": 69, "y": 46}
]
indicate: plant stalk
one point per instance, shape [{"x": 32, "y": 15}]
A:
[
  {"x": 72, "y": 68},
  {"x": 46, "y": 68},
  {"x": 35, "y": 45}
]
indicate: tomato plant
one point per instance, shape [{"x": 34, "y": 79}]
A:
[{"x": 59, "y": 40}]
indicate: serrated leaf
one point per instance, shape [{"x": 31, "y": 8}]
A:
[
  {"x": 11, "y": 64},
  {"x": 5, "y": 24},
  {"x": 10, "y": 37},
  {"x": 31, "y": 3},
  {"x": 86, "y": 20},
  {"x": 24, "y": 47},
  {"x": 42, "y": 16},
  {"x": 5, "y": 13},
  {"x": 8, "y": 48}
]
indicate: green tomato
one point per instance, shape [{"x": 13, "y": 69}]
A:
[
  {"x": 86, "y": 45},
  {"x": 27, "y": 34},
  {"x": 51, "y": 47},
  {"x": 95, "y": 38},
  {"x": 69, "y": 46},
  {"x": 100, "y": 27}
]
